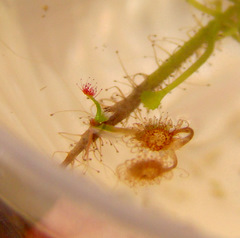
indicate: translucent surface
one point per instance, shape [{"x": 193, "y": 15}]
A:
[
  {"x": 46, "y": 48},
  {"x": 68, "y": 206}
]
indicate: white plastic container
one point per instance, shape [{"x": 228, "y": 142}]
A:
[{"x": 46, "y": 48}]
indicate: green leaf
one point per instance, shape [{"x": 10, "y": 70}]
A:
[{"x": 99, "y": 117}]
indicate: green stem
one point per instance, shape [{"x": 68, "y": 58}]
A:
[
  {"x": 114, "y": 129},
  {"x": 203, "y": 8},
  {"x": 220, "y": 26},
  {"x": 193, "y": 68},
  {"x": 100, "y": 117}
]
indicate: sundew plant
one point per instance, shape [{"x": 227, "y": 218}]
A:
[
  {"x": 153, "y": 141},
  {"x": 122, "y": 65}
]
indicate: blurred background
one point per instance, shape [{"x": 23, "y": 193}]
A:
[{"x": 47, "y": 47}]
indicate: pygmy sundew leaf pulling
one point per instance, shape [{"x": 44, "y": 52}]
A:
[{"x": 159, "y": 136}]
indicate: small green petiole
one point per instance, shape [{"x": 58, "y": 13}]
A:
[
  {"x": 100, "y": 117},
  {"x": 114, "y": 129}
]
